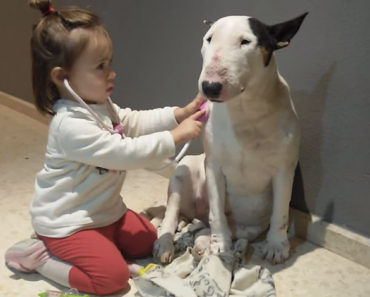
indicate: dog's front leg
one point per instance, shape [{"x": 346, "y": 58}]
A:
[
  {"x": 163, "y": 248},
  {"x": 277, "y": 246},
  {"x": 220, "y": 232}
]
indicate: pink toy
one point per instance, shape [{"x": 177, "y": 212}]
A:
[
  {"x": 203, "y": 118},
  {"x": 119, "y": 129}
]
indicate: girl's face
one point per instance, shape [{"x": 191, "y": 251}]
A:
[{"x": 91, "y": 76}]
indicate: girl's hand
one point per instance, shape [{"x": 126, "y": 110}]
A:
[
  {"x": 184, "y": 112},
  {"x": 188, "y": 129}
]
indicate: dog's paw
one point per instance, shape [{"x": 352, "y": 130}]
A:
[
  {"x": 202, "y": 244},
  {"x": 163, "y": 248},
  {"x": 240, "y": 247},
  {"x": 276, "y": 251}
]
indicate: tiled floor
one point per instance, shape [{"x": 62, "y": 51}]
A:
[{"x": 311, "y": 271}]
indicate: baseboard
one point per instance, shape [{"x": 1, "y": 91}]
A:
[
  {"x": 339, "y": 240},
  {"x": 22, "y": 107}
]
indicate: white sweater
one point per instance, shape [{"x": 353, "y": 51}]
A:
[{"x": 79, "y": 186}]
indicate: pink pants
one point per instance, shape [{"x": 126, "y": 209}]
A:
[{"x": 98, "y": 255}]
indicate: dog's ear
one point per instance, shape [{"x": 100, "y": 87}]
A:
[
  {"x": 207, "y": 22},
  {"x": 284, "y": 32},
  {"x": 271, "y": 38}
]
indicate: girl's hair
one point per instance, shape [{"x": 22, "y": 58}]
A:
[{"x": 52, "y": 45}]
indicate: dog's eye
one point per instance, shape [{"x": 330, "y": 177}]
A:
[
  {"x": 244, "y": 41},
  {"x": 209, "y": 39}
]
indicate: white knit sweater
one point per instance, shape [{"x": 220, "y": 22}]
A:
[{"x": 79, "y": 186}]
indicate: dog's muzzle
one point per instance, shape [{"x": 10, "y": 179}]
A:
[{"x": 211, "y": 90}]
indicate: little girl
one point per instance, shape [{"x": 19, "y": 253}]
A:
[{"x": 85, "y": 233}]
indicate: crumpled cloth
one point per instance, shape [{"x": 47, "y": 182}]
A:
[{"x": 214, "y": 275}]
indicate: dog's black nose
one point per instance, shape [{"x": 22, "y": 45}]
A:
[{"x": 211, "y": 90}]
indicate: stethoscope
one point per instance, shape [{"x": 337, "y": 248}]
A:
[{"x": 118, "y": 128}]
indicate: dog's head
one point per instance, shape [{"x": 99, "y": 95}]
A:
[{"x": 236, "y": 49}]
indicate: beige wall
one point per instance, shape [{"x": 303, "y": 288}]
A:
[{"x": 16, "y": 21}]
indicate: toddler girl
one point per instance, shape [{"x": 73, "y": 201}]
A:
[{"x": 77, "y": 211}]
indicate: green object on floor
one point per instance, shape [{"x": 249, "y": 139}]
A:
[
  {"x": 60, "y": 294},
  {"x": 145, "y": 269}
]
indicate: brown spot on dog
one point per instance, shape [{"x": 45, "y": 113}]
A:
[{"x": 266, "y": 55}]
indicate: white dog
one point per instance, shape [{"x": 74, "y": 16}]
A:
[{"x": 251, "y": 139}]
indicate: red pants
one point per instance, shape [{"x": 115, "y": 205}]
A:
[{"x": 98, "y": 255}]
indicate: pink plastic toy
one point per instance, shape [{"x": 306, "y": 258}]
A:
[
  {"x": 119, "y": 128},
  {"x": 203, "y": 118}
]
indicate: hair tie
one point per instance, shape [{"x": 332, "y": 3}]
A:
[{"x": 49, "y": 10}]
